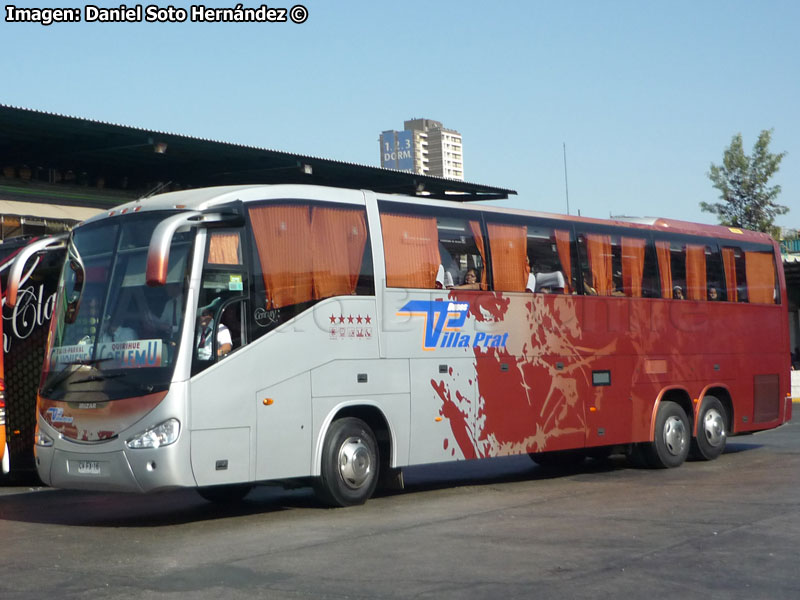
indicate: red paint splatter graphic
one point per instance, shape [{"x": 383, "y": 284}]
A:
[{"x": 524, "y": 397}]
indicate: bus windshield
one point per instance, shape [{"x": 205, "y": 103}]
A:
[{"x": 113, "y": 336}]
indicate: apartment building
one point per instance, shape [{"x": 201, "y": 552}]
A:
[{"x": 424, "y": 146}]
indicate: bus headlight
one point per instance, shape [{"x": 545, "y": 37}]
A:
[{"x": 163, "y": 434}]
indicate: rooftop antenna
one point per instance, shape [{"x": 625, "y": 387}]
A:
[{"x": 566, "y": 183}]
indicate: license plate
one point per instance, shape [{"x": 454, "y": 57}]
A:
[{"x": 89, "y": 467}]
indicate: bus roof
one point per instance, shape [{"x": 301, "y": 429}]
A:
[{"x": 206, "y": 198}]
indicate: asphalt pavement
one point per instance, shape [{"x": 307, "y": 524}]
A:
[{"x": 502, "y": 528}]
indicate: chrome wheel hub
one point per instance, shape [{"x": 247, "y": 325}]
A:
[
  {"x": 714, "y": 428},
  {"x": 675, "y": 436},
  {"x": 355, "y": 464}
]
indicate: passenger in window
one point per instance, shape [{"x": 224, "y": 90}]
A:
[
  {"x": 713, "y": 294},
  {"x": 550, "y": 283},
  {"x": 205, "y": 332},
  {"x": 117, "y": 332},
  {"x": 618, "y": 289},
  {"x": 443, "y": 279},
  {"x": 677, "y": 293},
  {"x": 470, "y": 281},
  {"x": 530, "y": 286}
]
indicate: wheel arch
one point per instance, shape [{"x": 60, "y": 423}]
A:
[
  {"x": 678, "y": 395},
  {"x": 721, "y": 392},
  {"x": 369, "y": 412}
]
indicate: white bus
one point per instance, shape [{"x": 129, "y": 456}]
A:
[{"x": 218, "y": 338}]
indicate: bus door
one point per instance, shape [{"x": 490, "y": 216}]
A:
[{"x": 221, "y": 410}]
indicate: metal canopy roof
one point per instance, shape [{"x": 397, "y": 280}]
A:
[{"x": 129, "y": 160}]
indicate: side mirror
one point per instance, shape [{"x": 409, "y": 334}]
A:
[{"x": 17, "y": 275}]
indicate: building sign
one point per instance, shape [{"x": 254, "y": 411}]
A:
[{"x": 397, "y": 150}]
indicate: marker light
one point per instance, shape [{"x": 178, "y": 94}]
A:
[
  {"x": 163, "y": 434},
  {"x": 41, "y": 439}
]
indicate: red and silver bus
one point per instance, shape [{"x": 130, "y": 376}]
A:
[{"x": 224, "y": 337}]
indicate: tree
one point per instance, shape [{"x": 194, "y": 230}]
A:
[{"x": 743, "y": 182}]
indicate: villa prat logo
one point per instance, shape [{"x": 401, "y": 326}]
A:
[
  {"x": 56, "y": 415},
  {"x": 443, "y": 323}
]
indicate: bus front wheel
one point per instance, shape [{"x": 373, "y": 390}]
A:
[
  {"x": 712, "y": 430},
  {"x": 672, "y": 438},
  {"x": 349, "y": 470}
]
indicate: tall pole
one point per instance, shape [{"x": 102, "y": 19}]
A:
[{"x": 566, "y": 183}]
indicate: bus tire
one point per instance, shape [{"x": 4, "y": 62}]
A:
[
  {"x": 712, "y": 430},
  {"x": 225, "y": 494},
  {"x": 672, "y": 437},
  {"x": 350, "y": 463}
]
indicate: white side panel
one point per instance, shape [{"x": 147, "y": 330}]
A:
[
  {"x": 221, "y": 456},
  {"x": 284, "y": 429},
  {"x": 230, "y": 394},
  {"x": 432, "y": 438},
  {"x": 341, "y": 378},
  {"x": 221, "y": 397}
]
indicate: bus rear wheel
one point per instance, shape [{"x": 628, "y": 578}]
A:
[
  {"x": 349, "y": 470},
  {"x": 712, "y": 430},
  {"x": 672, "y": 438}
]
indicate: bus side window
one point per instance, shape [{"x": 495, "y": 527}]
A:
[
  {"x": 508, "y": 244},
  {"x": 224, "y": 248},
  {"x": 597, "y": 263},
  {"x": 550, "y": 260},
  {"x": 303, "y": 252},
  {"x": 432, "y": 249},
  {"x": 750, "y": 274}
]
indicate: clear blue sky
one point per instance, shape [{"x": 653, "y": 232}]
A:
[{"x": 646, "y": 95}]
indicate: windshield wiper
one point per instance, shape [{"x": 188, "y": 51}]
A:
[
  {"x": 65, "y": 373},
  {"x": 98, "y": 378}
]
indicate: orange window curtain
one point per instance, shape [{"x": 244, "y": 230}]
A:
[
  {"x": 475, "y": 226},
  {"x": 696, "y": 272},
  {"x": 411, "y": 250},
  {"x": 598, "y": 248},
  {"x": 759, "y": 268},
  {"x": 632, "y": 266},
  {"x": 338, "y": 238},
  {"x": 223, "y": 249},
  {"x": 729, "y": 264},
  {"x": 664, "y": 268},
  {"x": 509, "y": 245},
  {"x": 563, "y": 245},
  {"x": 283, "y": 240}
]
